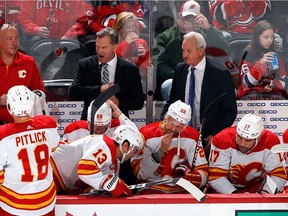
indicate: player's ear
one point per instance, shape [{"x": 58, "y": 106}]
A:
[
  {"x": 125, "y": 146},
  {"x": 201, "y": 51}
]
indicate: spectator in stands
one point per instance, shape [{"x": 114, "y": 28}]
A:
[
  {"x": 130, "y": 46},
  {"x": 163, "y": 23},
  {"x": 103, "y": 13},
  {"x": 259, "y": 79},
  {"x": 57, "y": 20},
  {"x": 241, "y": 158},
  {"x": 207, "y": 87},
  {"x": 16, "y": 68},
  {"x": 10, "y": 9},
  {"x": 170, "y": 150},
  {"x": 167, "y": 53},
  {"x": 239, "y": 16},
  {"x": 281, "y": 26}
]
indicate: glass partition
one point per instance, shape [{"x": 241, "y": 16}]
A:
[{"x": 58, "y": 33}]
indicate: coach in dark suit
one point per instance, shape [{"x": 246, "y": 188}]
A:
[
  {"x": 210, "y": 82},
  {"x": 88, "y": 82},
  {"x": 91, "y": 80}
]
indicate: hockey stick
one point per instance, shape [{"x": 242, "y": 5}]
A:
[
  {"x": 137, "y": 186},
  {"x": 200, "y": 131},
  {"x": 188, "y": 186},
  {"x": 272, "y": 187},
  {"x": 99, "y": 101},
  {"x": 280, "y": 148},
  {"x": 150, "y": 184},
  {"x": 271, "y": 184}
]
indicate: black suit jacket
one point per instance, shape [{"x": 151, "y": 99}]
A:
[
  {"x": 87, "y": 83},
  {"x": 216, "y": 81}
]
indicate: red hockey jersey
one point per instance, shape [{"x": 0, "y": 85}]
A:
[
  {"x": 105, "y": 13},
  {"x": 238, "y": 16}
]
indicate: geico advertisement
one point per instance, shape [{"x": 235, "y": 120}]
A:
[{"x": 274, "y": 113}]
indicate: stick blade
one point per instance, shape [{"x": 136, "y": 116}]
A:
[
  {"x": 280, "y": 148},
  {"x": 271, "y": 184},
  {"x": 192, "y": 189}
]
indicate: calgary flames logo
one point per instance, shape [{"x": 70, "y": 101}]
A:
[
  {"x": 243, "y": 174},
  {"x": 22, "y": 73}
]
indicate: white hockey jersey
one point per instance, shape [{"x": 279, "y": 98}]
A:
[
  {"x": 26, "y": 178},
  {"x": 79, "y": 129},
  {"x": 98, "y": 162},
  {"x": 65, "y": 162},
  {"x": 145, "y": 168},
  {"x": 229, "y": 169}
]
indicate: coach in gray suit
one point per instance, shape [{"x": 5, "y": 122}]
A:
[{"x": 210, "y": 92}]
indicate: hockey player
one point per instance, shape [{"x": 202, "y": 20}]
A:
[
  {"x": 66, "y": 158},
  {"x": 26, "y": 180},
  {"x": 241, "y": 157},
  {"x": 103, "y": 122},
  {"x": 285, "y": 158},
  {"x": 99, "y": 166},
  {"x": 169, "y": 151}
]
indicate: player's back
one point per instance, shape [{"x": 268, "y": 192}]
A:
[
  {"x": 65, "y": 161},
  {"x": 24, "y": 166}
]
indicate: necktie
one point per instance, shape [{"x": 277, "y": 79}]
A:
[
  {"x": 105, "y": 74},
  {"x": 192, "y": 93}
]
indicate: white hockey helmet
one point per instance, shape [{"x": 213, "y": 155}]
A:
[
  {"x": 180, "y": 111},
  {"x": 20, "y": 101},
  {"x": 103, "y": 115},
  {"x": 131, "y": 134},
  {"x": 250, "y": 126}
]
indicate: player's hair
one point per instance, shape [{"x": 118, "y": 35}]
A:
[
  {"x": 108, "y": 32},
  {"x": 200, "y": 40}
]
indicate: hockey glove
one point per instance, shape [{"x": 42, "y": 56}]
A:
[
  {"x": 115, "y": 186},
  {"x": 185, "y": 172}
]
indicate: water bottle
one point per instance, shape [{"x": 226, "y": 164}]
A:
[{"x": 134, "y": 48}]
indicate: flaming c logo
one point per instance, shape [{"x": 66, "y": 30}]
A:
[{"x": 22, "y": 73}]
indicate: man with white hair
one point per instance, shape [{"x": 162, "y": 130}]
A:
[
  {"x": 167, "y": 50},
  {"x": 241, "y": 160},
  {"x": 171, "y": 150}
]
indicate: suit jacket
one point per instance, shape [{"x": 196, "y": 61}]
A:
[
  {"x": 216, "y": 81},
  {"x": 87, "y": 83}
]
